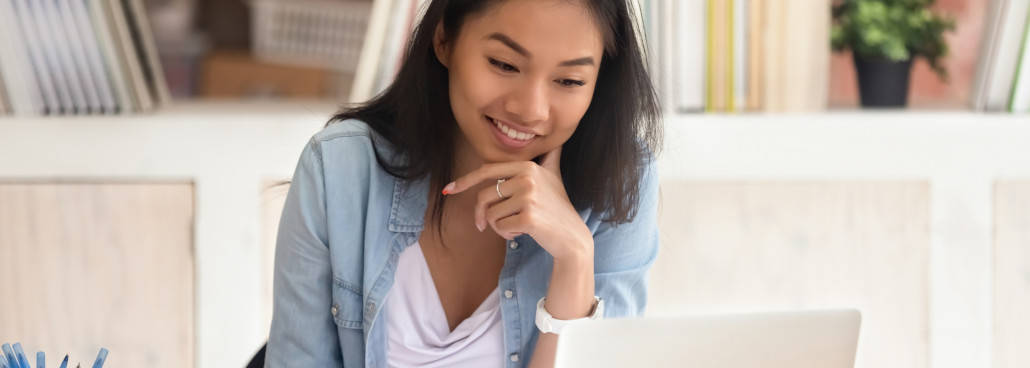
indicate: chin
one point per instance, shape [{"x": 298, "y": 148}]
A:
[{"x": 496, "y": 157}]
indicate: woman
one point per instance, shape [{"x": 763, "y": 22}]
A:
[{"x": 505, "y": 175}]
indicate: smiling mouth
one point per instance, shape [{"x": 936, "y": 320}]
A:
[{"x": 510, "y": 131}]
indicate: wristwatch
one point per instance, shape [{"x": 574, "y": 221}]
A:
[{"x": 548, "y": 324}]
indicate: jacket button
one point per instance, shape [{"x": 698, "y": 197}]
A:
[
  {"x": 513, "y": 244},
  {"x": 508, "y": 294},
  {"x": 334, "y": 310},
  {"x": 514, "y": 357},
  {"x": 371, "y": 307}
]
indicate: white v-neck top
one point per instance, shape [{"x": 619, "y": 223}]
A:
[{"x": 417, "y": 332}]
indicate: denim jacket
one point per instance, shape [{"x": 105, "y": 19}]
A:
[{"x": 345, "y": 222}]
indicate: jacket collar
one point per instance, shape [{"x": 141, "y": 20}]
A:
[{"x": 407, "y": 213}]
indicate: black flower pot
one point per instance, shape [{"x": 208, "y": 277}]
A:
[{"x": 883, "y": 83}]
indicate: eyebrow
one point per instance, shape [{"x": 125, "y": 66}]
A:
[{"x": 507, "y": 41}]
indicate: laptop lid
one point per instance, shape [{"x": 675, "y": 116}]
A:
[{"x": 798, "y": 339}]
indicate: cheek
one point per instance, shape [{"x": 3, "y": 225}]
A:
[
  {"x": 476, "y": 88},
  {"x": 570, "y": 111}
]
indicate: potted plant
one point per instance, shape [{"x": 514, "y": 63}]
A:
[{"x": 884, "y": 36}]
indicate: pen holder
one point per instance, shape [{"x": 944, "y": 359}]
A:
[{"x": 14, "y": 357}]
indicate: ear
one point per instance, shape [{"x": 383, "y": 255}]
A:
[{"x": 440, "y": 46}]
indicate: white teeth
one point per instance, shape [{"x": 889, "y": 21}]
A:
[{"x": 512, "y": 133}]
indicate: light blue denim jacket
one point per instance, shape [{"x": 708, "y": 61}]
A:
[{"x": 346, "y": 220}]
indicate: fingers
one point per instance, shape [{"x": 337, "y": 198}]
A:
[
  {"x": 511, "y": 227},
  {"x": 487, "y": 172},
  {"x": 488, "y": 197},
  {"x": 503, "y": 210}
]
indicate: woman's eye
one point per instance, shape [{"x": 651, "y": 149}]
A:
[
  {"x": 571, "y": 83},
  {"x": 502, "y": 65}
]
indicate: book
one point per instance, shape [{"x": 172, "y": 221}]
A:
[
  {"x": 719, "y": 54},
  {"x": 999, "y": 68},
  {"x": 362, "y": 88},
  {"x": 41, "y": 67},
  {"x": 796, "y": 56},
  {"x": 740, "y": 55},
  {"x": 79, "y": 57},
  {"x": 115, "y": 65},
  {"x": 55, "y": 43},
  {"x": 988, "y": 50},
  {"x": 808, "y": 60},
  {"x": 689, "y": 79},
  {"x": 129, "y": 54},
  {"x": 666, "y": 53},
  {"x": 143, "y": 36},
  {"x": 22, "y": 90},
  {"x": 1019, "y": 100},
  {"x": 651, "y": 21},
  {"x": 75, "y": 54},
  {"x": 80, "y": 18},
  {"x": 396, "y": 37},
  {"x": 755, "y": 54}
]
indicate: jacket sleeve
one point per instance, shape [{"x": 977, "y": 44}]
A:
[
  {"x": 624, "y": 253},
  {"x": 303, "y": 333}
]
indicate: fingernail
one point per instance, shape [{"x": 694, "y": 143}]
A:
[{"x": 447, "y": 189}]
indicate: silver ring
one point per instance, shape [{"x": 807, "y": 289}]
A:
[{"x": 498, "y": 187}]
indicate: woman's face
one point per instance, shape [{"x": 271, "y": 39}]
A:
[{"x": 522, "y": 75}]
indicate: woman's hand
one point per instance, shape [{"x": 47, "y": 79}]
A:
[{"x": 534, "y": 202}]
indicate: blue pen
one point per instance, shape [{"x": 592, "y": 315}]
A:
[
  {"x": 12, "y": 360},
  {"x": 40, "y": 360},
  {"x": 23, "y": 361},
  {"x": 101, "y": 357},
  {"x": 64, "y": 364}
]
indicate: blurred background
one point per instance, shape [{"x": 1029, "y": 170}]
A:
[{"x": 870, "y": 154}]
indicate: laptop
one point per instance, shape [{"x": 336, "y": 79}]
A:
[{"x": 797, "y": 339}]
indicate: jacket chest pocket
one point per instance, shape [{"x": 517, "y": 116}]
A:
[{"x": 347, "y": 305}]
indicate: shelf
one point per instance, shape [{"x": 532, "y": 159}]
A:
[
  {"x": 228, "y": 109},
  {"x": 820, "y": 145}
]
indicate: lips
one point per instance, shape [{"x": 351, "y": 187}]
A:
[{"x": 505, "y": 139}]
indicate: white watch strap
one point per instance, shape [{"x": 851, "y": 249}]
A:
[{"x": 548, "y": 324}]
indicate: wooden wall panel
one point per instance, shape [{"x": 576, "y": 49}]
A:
[
  {"x": 91, "y": 265},
  {"x": 1011, "y": 274},
  {"x": 748, "y": 246}
]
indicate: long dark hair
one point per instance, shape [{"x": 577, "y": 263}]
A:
[{"x": 601, "y": 163}]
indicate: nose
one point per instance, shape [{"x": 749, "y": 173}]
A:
[{"x": 529, "y": 102}]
